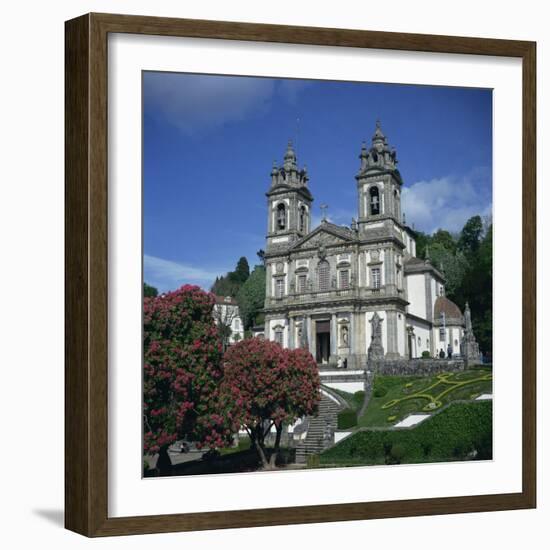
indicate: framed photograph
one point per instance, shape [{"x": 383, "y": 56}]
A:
[{"x": 300, "y": 280}]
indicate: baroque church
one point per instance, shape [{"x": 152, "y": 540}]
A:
[{"x": 358, "y": 292}]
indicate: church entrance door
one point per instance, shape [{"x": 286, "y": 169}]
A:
[{"x": 322, "y": 337}]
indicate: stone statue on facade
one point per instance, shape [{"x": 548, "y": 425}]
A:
[
  {"x": 469, "y": 348},
  {"x": 376, "y": 350}
]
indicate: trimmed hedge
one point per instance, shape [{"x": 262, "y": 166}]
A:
[
  {"x": 452, "y": 434},
  {"x": 379, "y": 390},
  {"x": 346, "y": 419},
  {"x": 426, "y": 355}
]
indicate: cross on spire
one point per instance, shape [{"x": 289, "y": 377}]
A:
[{"x": 323, "y": 208}]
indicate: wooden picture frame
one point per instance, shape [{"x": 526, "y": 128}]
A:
[{"x": 86, "y": 230}]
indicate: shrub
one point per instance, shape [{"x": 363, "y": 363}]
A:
[
  {"x": 358, "y": 400},
  {"x": 397, "y": 452},
  {"x": 379, "y": 391},
  {"x": 346, "y": 419},
  {"x": 425, "y": 355},
  {"x": 451, "y": 434},
  {"x": 313, "y": 461}
]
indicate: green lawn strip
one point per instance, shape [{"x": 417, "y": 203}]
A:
[
  {"x": 452, "y": 434},
  {"x": 411, "y": 394},
  {"x": 244, "y": 445},
  {"x": 354, "y": 400}
]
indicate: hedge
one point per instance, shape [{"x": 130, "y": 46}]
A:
[
  {"x": 453, "y": 434},
  {"x": 346, "y": 419}
]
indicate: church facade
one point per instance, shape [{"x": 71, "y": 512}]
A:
[{"x": 358, "y": 291}]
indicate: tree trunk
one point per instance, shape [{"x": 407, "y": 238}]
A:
[
  {"x": 257, "y": 437},
  {"x": 164, "y": 464},
  {"x": 275, "y": 454}
]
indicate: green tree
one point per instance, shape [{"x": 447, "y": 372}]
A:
[
  {"x": 251, "y": 296},
  {"x": 453, "y": 265},
  {"x": 230, "y": 283},
  {"x": 242, "y": 271},
  {"x": 477, "y": 284},
  {"x": 471, "y": 235},
  {"x": 444, "y": 239},
  {"x": 422, "y": 241},
  {"x": 149, "y": 291}
]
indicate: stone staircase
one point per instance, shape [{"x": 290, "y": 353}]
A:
[{"x": 314, "y": 442}]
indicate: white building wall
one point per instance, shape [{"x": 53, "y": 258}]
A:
[
  {"x": 416, "y": 293},
  {"x": 401, "y": 324},
  {"x": 422, "y": 338},
  {"x": 453, "y": 336}
]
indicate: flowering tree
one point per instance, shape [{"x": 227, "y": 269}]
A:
[
  {"x": 182, "y": 372},
  {"x": 264, "y": 386}
]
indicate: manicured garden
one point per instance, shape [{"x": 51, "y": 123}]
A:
[
  {"x": 462, "y": 431},
  {"x": 396, "y": 397}
]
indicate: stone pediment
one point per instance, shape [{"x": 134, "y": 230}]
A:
[{"x": 324, "y": 236}]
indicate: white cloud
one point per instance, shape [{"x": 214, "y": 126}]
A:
[
  {"x": 168, "y": 275},
  {"x": 447, "y": 202},
  {"x": 198, "y": 104}
]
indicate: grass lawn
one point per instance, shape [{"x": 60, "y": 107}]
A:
[
  {"x": 354, "y": 400},
  {"x": 395, "y": 397},
  {"x": 244, "y": 445}
]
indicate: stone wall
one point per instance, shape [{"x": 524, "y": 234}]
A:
[{"x": 422, "y": 367}]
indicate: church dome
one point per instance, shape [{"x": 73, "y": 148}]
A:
[{"x": 448, "y": 308}]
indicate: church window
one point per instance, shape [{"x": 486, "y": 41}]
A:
[
  {"x": 302, "y": 283},
  {"x": 344, "y": 278},
  {"x": 279, "y": 335},
  {"x": 442, "y": 328},
  {"x": 281, "y": 217},
  {"x": 302, "y": 219},
  {"x": 279, "y": 287},
  {"x": 324, "y": 275},
  {"x": 375, "y": 277},
  {"x": 374, "y": 195}
]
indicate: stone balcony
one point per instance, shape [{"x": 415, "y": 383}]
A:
[{"x": 336, "y": 295}]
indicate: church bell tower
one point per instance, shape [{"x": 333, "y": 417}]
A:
[
  {"x": 378, "y": 183},
  {"x": 288, "y": 202}
]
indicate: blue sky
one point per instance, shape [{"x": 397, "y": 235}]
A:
[{"x": 209, "y": 143}]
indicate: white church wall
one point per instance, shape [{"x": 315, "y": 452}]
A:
[
  {"x": 453, "y": 336},
  {"x": 401, "y": 334},
  {"x": 422, "y": 337},
  {"x": 416, "y": 289}
]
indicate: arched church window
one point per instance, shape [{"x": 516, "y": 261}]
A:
[
  {"x": 281, "y": 216},
  {"x": 302, "y": 218},
  {"x": 324, "y": 275},
  {"x": 374, "y": 196}
]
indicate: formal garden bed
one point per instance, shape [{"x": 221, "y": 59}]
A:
[
  {"x": 462, "y": 431},
  {"x": 396, "y": 397}
]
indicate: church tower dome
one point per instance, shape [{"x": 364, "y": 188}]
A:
[
  {"x": 378, "y": 181},
  {"x": 289, "y": 202}
]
